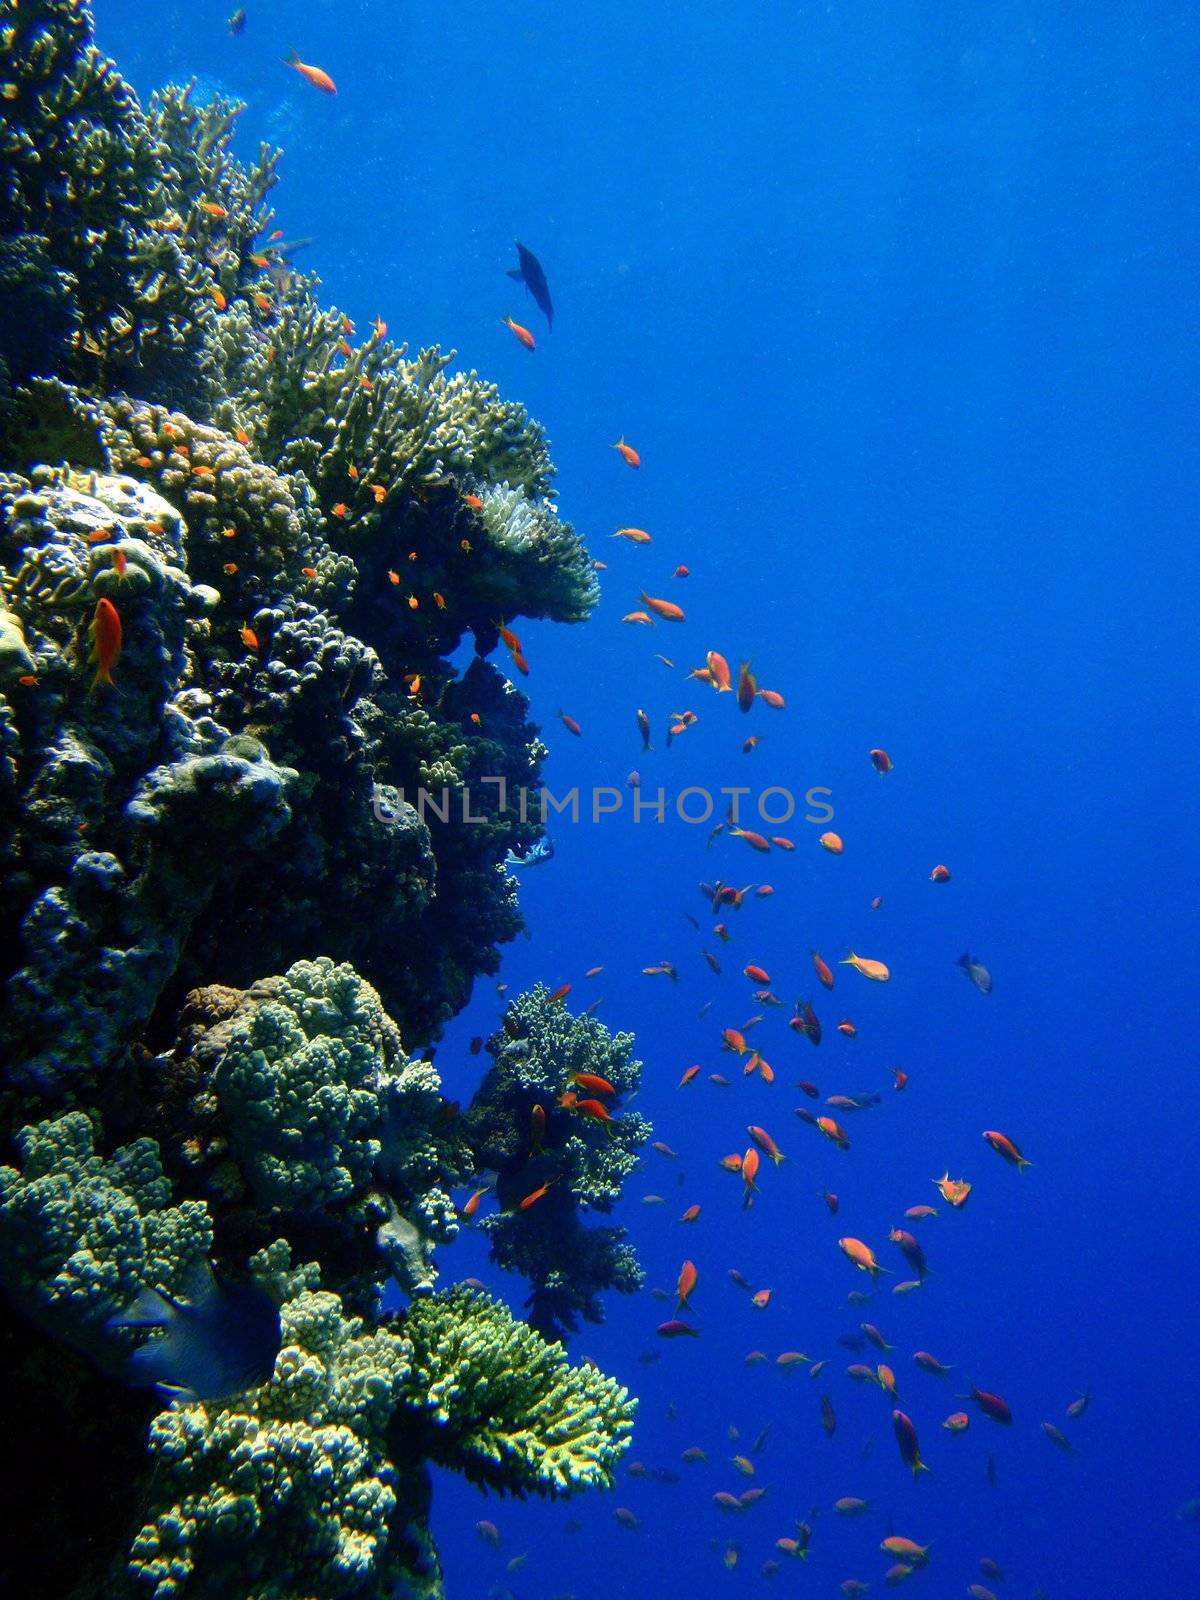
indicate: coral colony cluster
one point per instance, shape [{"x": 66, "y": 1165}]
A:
[{"x": 221, "y": 1138}]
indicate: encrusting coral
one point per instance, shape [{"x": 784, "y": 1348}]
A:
[{"x": 239, "y": 545}]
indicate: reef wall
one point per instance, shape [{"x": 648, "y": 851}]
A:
[{"x": 238, "y": 544}]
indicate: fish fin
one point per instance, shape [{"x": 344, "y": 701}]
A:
[
  {"x": 292, "y": 59},
  {"x": 151, "y": 1309},
  {"x": 515, "y": 273}
]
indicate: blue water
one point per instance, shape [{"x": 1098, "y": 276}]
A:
[{"x": 899, "y": 305}]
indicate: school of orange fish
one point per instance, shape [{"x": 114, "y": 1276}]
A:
[{"x": 758, "y": 1162}]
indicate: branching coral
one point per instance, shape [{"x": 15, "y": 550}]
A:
[{"x": 583, "y": 1157}]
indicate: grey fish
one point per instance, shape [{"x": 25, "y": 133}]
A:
[
  {"x": 541, "y": 850},
  {"x": 530, "y": 273},
  {"x": 219, "y": 1342},
  {"x": 977, "y": 972}
]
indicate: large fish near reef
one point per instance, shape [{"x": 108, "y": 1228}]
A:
[
  {"x": 530, "y": 273},
  {"x": 218, "y": 1342},
  {"x": 538, "y": 852},
  {"x": 977, "y": 972}
]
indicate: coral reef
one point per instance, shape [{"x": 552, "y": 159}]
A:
[
  {"x": 536, "y": 1059},
  {"x": 239, "y": 546}
]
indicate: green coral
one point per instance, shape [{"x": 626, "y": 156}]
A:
[
  {"x": 287, "y": 1492},
  {"x": 509, "y": 1410},
  {"x": 317, "y": 1093},
  {"x": 81, "y": 1235}
]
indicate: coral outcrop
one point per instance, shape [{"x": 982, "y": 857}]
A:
[{"x": 239, "y": 546}]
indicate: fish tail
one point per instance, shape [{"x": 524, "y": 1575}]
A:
[{"x": 292, "y": 59}]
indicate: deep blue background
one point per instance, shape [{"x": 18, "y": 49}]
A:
[{"x": 899, "y": 305}]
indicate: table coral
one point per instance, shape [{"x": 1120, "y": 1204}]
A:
[{"x": 508, "y": 1409}]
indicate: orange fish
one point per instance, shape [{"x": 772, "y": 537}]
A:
[
  {"x": 689, "y": 1076},
  {"x": 756, "y": 974},
  {"x": 880, "y": 760},
  {"x": 771, "y": 697},
  {"x": 560, "y": 993},
  {"x": 823, "y": 972},
  {"x": 213, "y": 209},
  {"x": 28, "y": 680},
  {"x": 242, "y": 436},
  {"x": 105, "y": 634},
  {"x": 666, "y": 609},
  {"x": 862, "y": 1256},
  {"x": 476, "y": 719},
  {"x": 690, "y": 1214},
  {"x": 680, "y": 572},
  {"x": 520, "y": 663},
  {"x": 263, "y": 302},
  {"x": 688, "y": 1278},
  {"x": 634, "y": 535},
  {"x": 99, "y": 535},
  {"x": 248, "y": 637},
  {"x": 899, "y": 1078},
  {"x": 570, "y": 724},
  {"x": 756, "y": 841},
  {"x": 380, "y": 327},
  {"x": 592, "y": 1081},
  {"x": 595, "y": 1110},
  {"x": 393, "y": 576},
  {"x": 627, "y": 453},
  {"x": 766, "y": 1144},
  {"x": 308, "y": 572},
  {"x": 229, "y": 568},
  {"x": 731, "y": 1163},
  {"x": 718, "y": 672},
  {"x": 831, "y": 842},
  {"x": 747, "y": 687},
  {"x": 1003, "y": 1146},
  {"x": 218, "y": 299},
  {"x": 761, "y": 1298},
  {"x": 341, "y": 511},
  {"x": 875, "y": 970},
  {"x": 537, "y": 1194},
  {"x": 731, "y": 1039},
  {"x": 314, "y": 75},
  {"x": 940, "y": 875},
  {"x": 522, "y": 334},
  {"x": 593, "y": 972},
  {"x": 203, "y": 472},
  {"x": 120, "y": 563},
  {"x": 749, "y": 1170},
  {"x": 473, "y": 500},
  {"x": 472, "y": 1205},
  {"x": 954, "y": 1191},
  {"x": 957, "y": 1422},
  {"x": 834, "y": 1132},
  {"x": 847, "y": 1029}
]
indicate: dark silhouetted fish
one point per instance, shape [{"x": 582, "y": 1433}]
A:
[
  {"x": 219, "y": 1342},
  {"x": 977, "y": 972},
  {"x": 531, "y": 275}
]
